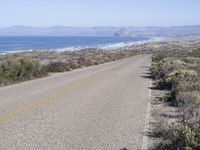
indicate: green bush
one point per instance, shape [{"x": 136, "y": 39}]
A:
[
  {"x": 181, "y": 75},
  {"x": 160, "y": 56},
  {"x": 155, "y": 71},
  {"x": 197, "y": 100},
  {"x": 194, "y": 53},
  {"x": 177, "y": 76},
  {"x": 166, "y": 66},
  {"x": 14, "y": 70},
  {"x": 184, "y": 137},
  {"x": 191, "y": 60}
]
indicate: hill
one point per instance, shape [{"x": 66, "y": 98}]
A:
[{"x": 175, "y": 31}]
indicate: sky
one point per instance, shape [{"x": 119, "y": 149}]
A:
[{"x": 83, "y": 13}]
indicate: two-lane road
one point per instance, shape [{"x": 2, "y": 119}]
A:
[{"x": 96, "y": 108}]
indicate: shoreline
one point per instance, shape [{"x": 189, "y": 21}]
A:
[
  {"x": 145, "y": 45},
  {"x": 34, "y": 64},
  {"x": 108, "y": 46}
]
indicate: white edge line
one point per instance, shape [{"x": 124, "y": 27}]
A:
[{"x": 147, "y": 119}]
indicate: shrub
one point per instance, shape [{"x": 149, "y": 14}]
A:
[
  {"x": 14, "y": 70},
  {"x": 184, "y": 137},
  {"x": 58, "y": 67},
  {"x": 73, "y": 64},
  {"x": 163, "y": 67},
  {"x": 187, "y": 86},
  {"x": 82, "y": 61},
  {"x": 89, "y": 62},
  {"x": 155, "y": 71},
  {"x": 197, "y": 100},
  {"x": 191, "y": 60},
  {"x": 177, "y": 76},
  {"x": 160, "y": 56},
  {"x": 194, "y": 53},
  {"x": 181, "y": 75}
]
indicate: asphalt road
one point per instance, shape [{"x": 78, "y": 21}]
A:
[{"x": 96, "y": 108}]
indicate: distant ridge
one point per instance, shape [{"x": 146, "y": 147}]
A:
[{"x": 100, "y": 31}]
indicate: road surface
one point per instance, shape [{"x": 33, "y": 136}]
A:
[{"x": 96, "y": 108}]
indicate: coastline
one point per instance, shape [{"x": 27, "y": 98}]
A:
[
  {"x": 51, "y": 61},
  {"x": 146, "y": 46},
  {"x": 112, "y": 47},
  {"x": 61, "y": 44},
  {"x": 152, "y": 42}
]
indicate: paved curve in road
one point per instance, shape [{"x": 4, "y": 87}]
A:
[{"x": 96, "y": 108}]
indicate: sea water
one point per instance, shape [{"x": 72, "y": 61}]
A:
[{"x": 18, "y": 44}]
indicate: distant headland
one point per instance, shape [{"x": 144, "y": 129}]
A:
[{"x": 174, "y": 31}]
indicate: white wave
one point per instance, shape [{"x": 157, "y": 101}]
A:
[
  {"x": 115, "y": 45},
  {"x": 19, "y": 51},
  {"x": 125, "y": 44},
  {"x": 107, "y": 46},
  {"x": 2, "y": 53},
  {"x": 63, "y": 49},
  {"x": 15, "y": 51}
]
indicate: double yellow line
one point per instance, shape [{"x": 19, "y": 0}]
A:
[{"x": 28, "y": 108}]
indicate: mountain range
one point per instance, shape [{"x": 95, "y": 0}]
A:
[{"x": 101, "y": 31}]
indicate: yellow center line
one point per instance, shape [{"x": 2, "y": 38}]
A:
[{"x": 28, "y": 108}]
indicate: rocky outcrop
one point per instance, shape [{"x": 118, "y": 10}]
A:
[{"x": 123, "y": 33}]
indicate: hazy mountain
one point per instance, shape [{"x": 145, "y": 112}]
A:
[
  {"x": 57, "y": 31},
  {"x": 123, "y": 33},
  {"x": 167, "y": 31},
  {"x": 100, "y": 31}
]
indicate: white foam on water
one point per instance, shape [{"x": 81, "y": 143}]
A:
[
  {"x": 123, "y": 44},
  {"x": 107, "y": 46},
  {"x": 64, "y": 49},
  {"x": 2, "y": 53}
]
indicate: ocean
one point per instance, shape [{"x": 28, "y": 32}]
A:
[{"x": 19, "y": 44}]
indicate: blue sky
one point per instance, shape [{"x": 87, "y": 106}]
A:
[{"x": 99, "y": 12}]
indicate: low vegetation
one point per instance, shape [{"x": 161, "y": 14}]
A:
[
  {"x": 15, "y": 70},
  {"x": 180, "y": 74},
  {"x": 26, "y": 66}
]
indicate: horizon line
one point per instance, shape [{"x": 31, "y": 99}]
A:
[{"x": 188, "y": 25}]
